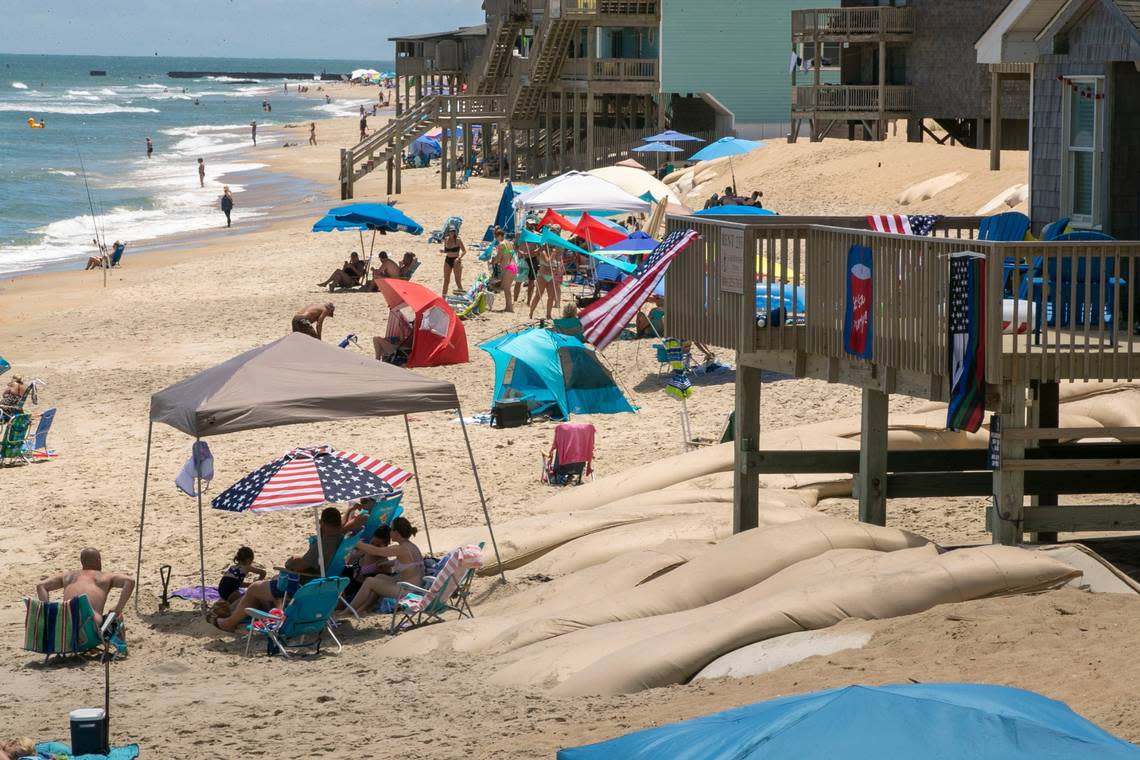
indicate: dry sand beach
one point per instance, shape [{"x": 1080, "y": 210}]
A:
[{"x": 186, "y": 690}]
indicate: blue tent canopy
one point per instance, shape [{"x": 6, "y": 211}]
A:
[
  {"x": 425, "y": 146},
  {"x": 557, "y": 374},
  {"x": 735, "y": 211},
  {"x": 643, "y": 244},
  {"x": 900, "y": 722},
  {"x": 367, "y": 216},
  {"x": 505, "y": 215}
]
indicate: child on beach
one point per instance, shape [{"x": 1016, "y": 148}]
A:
[
  {"x": 227, "y": 203},
  {"x": 234, "y": 579},
  {"x": 201, "y": 173}
]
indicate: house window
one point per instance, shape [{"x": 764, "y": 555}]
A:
[
  {"x": 1084, "y": 150},
  {"x": 831, "y": 53}
]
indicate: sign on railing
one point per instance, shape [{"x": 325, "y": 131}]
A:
[{"x": 732, "y": 260}]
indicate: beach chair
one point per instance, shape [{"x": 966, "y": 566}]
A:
[
  {"x": 36, "y": 446},
  {"x": 1053, "y": 230},
  {"x": 303, "y": 622},
  {"x": 15, "y": 435},
  {"x": 411, "y": 270},
  {"x": 422, "y": 606},
  {"x": 117, "y": 255},
  {"x": 459, "y": 601},
  {"x": 60, "y": 628},
  {"x": 571, "y": 454},
  {"x": 453, "y": 222},
  {"x": 1009, "y": 227},
  {"x": 1067, "y": 288}
]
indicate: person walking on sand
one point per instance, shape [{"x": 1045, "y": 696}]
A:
[
  {"x": 312, "y": 133},
  {"x": 311, "y": 319},
  {"x": 201, "y": 173},
  {"x": 363, "y": 125},
  {"x": 227, "y": 203},
  {"x": 453, "y": 253},
  {"x": 149, "y": 147},
  {"x": 253, "y": 131}
]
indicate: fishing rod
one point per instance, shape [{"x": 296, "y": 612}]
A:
[{"x": 90, "y": 201}]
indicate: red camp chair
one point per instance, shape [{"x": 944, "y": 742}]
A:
[{"x": 571, "y": 455}]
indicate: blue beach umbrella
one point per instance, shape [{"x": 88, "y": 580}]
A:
[
  {"x": 643, "y": 244},
  {"x": 672, "y": 135},
  {"x": 727, "y": 147},
  {"x": 735, "y": 211},
  {"x": 948, "y": 721},
  {"x": 657, "y": 147},
  {"x": 367, "y": 216}
]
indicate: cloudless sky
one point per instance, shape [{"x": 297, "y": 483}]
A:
[{"x": 345, "y": 29}]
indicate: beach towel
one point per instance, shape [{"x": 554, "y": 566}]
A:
[
  {"x": 60, "y": 627},
  {"x": 460, "y": 560},
  {"x": 575, "y": 443},
  {"x": 62, "y": 750},
  {"x": 195, "y": 593},
  {"x": 199, "y": 465}
]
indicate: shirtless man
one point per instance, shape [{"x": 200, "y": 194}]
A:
[
  {"x": 387, "y": 268},
  {"x": 310, "y": 319},
  {"x": 92, "y": 581}
]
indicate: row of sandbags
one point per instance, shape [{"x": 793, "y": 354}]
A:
[{"x": 656, "y": 617}]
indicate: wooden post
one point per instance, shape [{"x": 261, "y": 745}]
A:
[
  {"x": 547, "y": 148},
  {"x": 1047, "y": 415},
  {"x": 454, "y": 144},
  {"x": 746, "y": 433},
  {"x": 881, "y": 129},
  {"x": 388, "y": 167},
  {"x": 589, "y": 131},
  {"x": 660, "y": 112},
  {"x": 995, "y": 121},
  {"x": 502, "y": 149},
  {"x": 872, "y": 483},
  {"x": 1009, "y": 485},
  {"x": 344, "y": 174},
  {"x": 444, "y": 141},
  {"x": 816, "y": 64},
  {"x": 398, "y": 156}
]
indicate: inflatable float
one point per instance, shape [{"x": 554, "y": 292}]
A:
[{"x": 35, "y": 124}]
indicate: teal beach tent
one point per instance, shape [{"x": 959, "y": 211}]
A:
[{"x": 557, "y": 374}]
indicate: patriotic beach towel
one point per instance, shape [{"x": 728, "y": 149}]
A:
[
  {"x": 967, "y": 344},
  {"x": 903, "y": 224},
  {"x": 603, "y": 320}
]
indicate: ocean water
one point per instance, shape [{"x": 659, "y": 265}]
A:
[{"x": 97, "y": 126}]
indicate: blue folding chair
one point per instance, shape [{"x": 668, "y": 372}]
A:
[
  {"x": 38, "y": 442},
  {"x": 1053, "y": 230},
  {"x": 1066, "y": 304},
  {"x": 304, "y": 621}
]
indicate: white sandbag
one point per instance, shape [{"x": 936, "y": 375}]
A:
[
  {"x": 569, "y": 592},
  {"x": 547, "y": 663},
  {"x": 782, "y": 651},
  {"x": 733, "y": 565},
  {"x": 953, "y": 577}
]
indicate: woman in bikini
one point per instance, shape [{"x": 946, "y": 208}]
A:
[
  {"x": 453, "y": 253},
  {"x": 407, "y": 566},
  {"x": 547, "y": 271},
  {"x": 508, "y": 267}
]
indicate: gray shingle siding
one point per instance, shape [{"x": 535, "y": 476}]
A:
[{"x": 1094, "y": 40}]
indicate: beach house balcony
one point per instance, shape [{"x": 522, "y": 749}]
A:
[
  {"x": 609, "y": 12},
  {"x": 842, "y": 102},
  {"x": 853, "y": 24},
  {"x": 778, "y": 291}
]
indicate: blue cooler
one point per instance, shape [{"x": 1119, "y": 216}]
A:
[{"x": 89, "y": 732}]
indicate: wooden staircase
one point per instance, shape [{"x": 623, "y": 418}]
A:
[
  {"x": 552, "y": 42},
  {"x": 387, "y": 142},
  {"x": 496, "y": 57}
]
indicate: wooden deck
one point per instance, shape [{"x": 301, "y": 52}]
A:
[
  {"x": 1070, "y": 335},
  {"x": 708, "y": 302}
]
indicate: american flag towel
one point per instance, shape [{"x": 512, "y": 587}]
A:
[
  {"x": 967, "y": 344},
  {"x": 603, "y": 320},
  {"x": 903, "y": 224}
]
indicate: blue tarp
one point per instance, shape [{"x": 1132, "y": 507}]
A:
[
  {"x": 367, "y": 216},
  {"x": 557, "y": 374},
  {"x": 425, "y": 146},
  {"x": 735, "y": 211},
  {"x": 898, "y": 722}
]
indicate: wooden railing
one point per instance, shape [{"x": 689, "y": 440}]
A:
[
  {"x": 470, "y": 107},
  {"x": 851, "y": 99},
  {"x": 1055, "y": 311},
  {"x": 828, "y": 23},
  {"x": 606, "y": 7},
  {"x": 610, "y": 69}
]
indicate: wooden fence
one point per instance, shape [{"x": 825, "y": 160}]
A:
[{"x": 851, "y": 99}]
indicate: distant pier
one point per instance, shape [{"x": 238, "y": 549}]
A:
[{"x": 309, "y": 76}]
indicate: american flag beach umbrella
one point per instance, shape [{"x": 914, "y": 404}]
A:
[{"x": 310, "y": 477}]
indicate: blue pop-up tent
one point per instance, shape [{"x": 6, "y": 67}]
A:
[
  {"x": 945, "y": 721},
  {"x": 557, "y": 374},
  {"x": 505, "y": 215}
]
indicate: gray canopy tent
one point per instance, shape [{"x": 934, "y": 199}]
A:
[{"x": 293, "y": 380}]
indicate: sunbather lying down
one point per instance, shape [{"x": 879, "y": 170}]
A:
[{"x": 10, "y": 750}]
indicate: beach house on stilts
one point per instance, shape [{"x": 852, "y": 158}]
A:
[
  {"x": 996, "y": 329},
  {"x": 554, "y": 85}
]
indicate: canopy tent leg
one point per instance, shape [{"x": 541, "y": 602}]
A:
[
  {"x": 479, "y": 488},
  {"x": 419, "y": 488},
  {"x": 142, "y": 516},
  {"x": 320, "y": 542},
  {"x": 360, "y": 233},
  {"x": 201, "y": 532}
]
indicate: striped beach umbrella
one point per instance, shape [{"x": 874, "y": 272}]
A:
[{"x": 310, "y": 477}]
